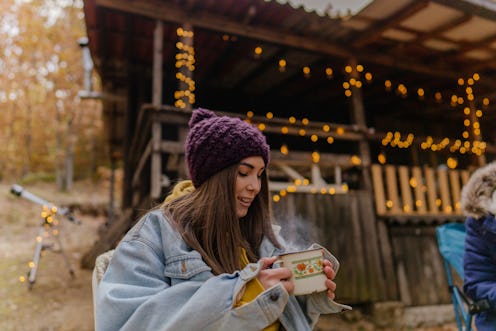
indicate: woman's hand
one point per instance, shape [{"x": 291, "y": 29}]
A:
[
  {"x": 331, "y": 286},
  {"x": 270, "y": 277}
]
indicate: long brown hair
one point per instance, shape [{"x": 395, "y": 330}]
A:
[{"x": 207, "y": 221}]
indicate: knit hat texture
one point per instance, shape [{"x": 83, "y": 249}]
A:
[{"x": 217, "y": 142}]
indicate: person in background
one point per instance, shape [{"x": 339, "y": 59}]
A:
[
  {"x": 479, "y": 261},
  {"x": 203, "y": 260}
]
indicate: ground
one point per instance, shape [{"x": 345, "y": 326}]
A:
[{"x": 58, "y": 302}]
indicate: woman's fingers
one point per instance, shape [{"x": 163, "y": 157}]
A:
[
  {"x": 270, "y": 277},
  {"x": 268, "y": 261},
  {"x": 329, "y": 272}
]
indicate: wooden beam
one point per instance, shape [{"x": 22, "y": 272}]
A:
[{"x": 305, "y": 159}]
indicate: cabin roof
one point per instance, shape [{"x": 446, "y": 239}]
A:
[{"x": 425, "y": 45}]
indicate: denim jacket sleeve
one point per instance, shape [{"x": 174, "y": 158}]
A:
[{"x": 153, "y": 283}]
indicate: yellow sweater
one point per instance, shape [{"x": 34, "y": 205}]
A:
[{"x": 252, "y": 290}]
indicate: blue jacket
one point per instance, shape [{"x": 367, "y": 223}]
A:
[
  {"x": 156, "y": 282},
  {"x": 480, "y": 267}
]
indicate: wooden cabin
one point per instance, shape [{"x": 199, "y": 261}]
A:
[{"x": 375, "y": 116}]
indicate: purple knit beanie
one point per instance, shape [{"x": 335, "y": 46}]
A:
[{"x": 217, "y": 142}]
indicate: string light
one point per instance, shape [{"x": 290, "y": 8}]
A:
[{"x": 185, "y": 63}]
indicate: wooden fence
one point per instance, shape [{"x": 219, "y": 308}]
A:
[{"x": 402, "y": 190}]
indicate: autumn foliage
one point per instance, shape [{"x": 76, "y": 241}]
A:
[{"x": 46, "y": 127}]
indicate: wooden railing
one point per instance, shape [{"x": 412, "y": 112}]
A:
[{"x": 422, "y": 191}]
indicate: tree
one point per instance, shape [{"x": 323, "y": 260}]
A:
[{"x": 41, "y": 73}]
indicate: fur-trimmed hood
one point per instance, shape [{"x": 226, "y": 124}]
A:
[{"x": 479, "y": 194}]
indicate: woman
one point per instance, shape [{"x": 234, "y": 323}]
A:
[{"x": 203, "y": 260}]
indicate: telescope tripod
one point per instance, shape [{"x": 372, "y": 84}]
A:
[{"x": 48, "y": 230}]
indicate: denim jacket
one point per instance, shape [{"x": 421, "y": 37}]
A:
[{"x": 156, "y": 282}]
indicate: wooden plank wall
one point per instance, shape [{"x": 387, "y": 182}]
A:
[
  {"x": 417, "y": 191},
  {"x": 411, "y": 202},
  {"x": 419, "y": 266},
  {"x": 345, "y": 224}
]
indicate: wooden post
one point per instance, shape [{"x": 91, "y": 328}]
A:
[
  {"x": 156, "y": 157},
  {"x": 358, "y": 116}
]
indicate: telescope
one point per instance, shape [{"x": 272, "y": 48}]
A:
[
  {"x": 45, "y": 232},
  {"x": 19, "y": 191}
]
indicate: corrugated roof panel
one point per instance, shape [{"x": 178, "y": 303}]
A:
[
  {"x": 331, "y": 8},
  {"x": 439, "y": 45},
  {"x": 480, "y": 54},
  {"x": 474, "y": 30},
  {"x": 383, "y": 9},
  {"x": 399, "y": 35},
  {"x": 431, "y": 17}
]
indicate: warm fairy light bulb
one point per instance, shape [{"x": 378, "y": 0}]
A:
[
  {"x": 305, "y": 121},
  {"x": 326, "y": 128},
  {"x": 315, "y": 157},
  {"x": 276, "y": 198},
  {"x": 330, "y": 140},
  {"x": 292, "y": 120},
  {"x": 381, "y": 158},
  {"x": 269, "y": 115},
  {"x": 284, "y": 150},
  {"x": 261, "y": 126},
  {"x": 355, "y": 160},
  {"x": 451, "y": 163},
  {"x": 291, "y": 189},
  {"x": 258, "y": 50},
  {"x": 284, "y": 130},
  {"x": 348, "y": 69},
  {"x": 302, "y": 132},
  {"x": 314, "y": 138}
]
